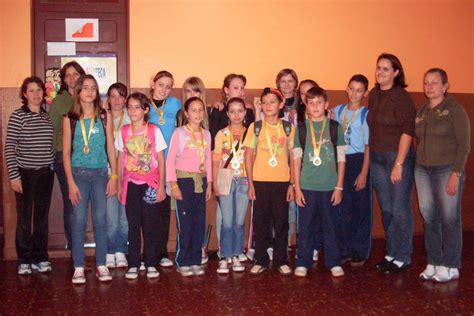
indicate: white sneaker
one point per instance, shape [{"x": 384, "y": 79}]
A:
[
  {"x": 285, "y": 269},
  {"x": 131, "y": 274},
  {"x": 236, "y": 265},
  {"x": 315, "y": 255},
  {"x": 197, "y": 270},
  {"x": 42, "y": 267},
  {"x": 337, "y": 272},
  {"x": 270, "y": 253},
  {"x": 166, "y": 263},
  {"x": 223, "y": 267},
  {"x": 257, "y": 269},
  {"x": 243, "y": 258},
  {"x": 301, "y": 272},
  {"x": 24, "y": 269},
  {"x": 250, "y": 254},
  {"x": 120, "y": 260},
  {"x": 152, "y": 273},
  {"x": 103, "y": 274},
  {"x": 185, "y": 271},
  {"x": 78, "y": 277},
  {"x": 445, "y": 274},
  {"x": 142, "y": 266},
  {"x": 429, "y": 272},
  {"x": 110, "y": 260}
]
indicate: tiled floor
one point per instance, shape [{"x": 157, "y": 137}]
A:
[{"x": 362, "y": 291}]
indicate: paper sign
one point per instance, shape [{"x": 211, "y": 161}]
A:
[
  {"x": 82, "y": 30},
  {"x": 61, "y": 48}
]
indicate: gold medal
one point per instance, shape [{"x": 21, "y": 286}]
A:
[
  {"x": 86, "y": 139},
  {"x": 200, "y": 147},
  {"x": 202, "y": 168},
  {"x": 85, "y": 150},
  {"x": 161, "y": 119}
]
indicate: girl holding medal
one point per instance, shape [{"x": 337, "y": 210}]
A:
[
  {"x": 141, "y": 166},
  {"x": 228, "y": 153},
  {"x": 87, "y": 146},
  {"x": 189, "y": 173},
  {"x": 163, "y": 111},
  {"x": 117, "y": 225},
  {"x": 318, "y": 184}
]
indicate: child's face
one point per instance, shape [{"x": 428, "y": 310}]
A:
[
  {"x": 356, "y": 91},
  {"x": 70, "y": 77},
  {"x": 303, "y": 89},
  {"x": 236, "y": 112},
  {"x": 287, "y": 84},
  {"x": 135, "y": 111},
  {"x": 271, "y": 105},
  {"x": 315, "y": 107},
  {"x": 34, "y": 94},
  {"x": 236, "y": 89},
  {"x": 88, "y": 92},
  {"x": 384, "y": 73},
  {"x": 195, "y": 112},
  {"x": 189, "y": 93},
  {"x": 162, "y": 88},
  {"x": 116, "y": 101}
]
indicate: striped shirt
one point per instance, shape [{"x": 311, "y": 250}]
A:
[{"x": 29, "y": 142}]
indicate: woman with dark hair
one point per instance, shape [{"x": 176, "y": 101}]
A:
[
  {"x": 391, "y": 120},
  {"x": 61, "y": 105},
  {"x": 29, "y": 154},
  {"x": 444, "y": 142}
]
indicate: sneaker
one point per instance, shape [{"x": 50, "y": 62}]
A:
[
  {"x": 204, "y": 256},
  {"x": 250, "y": 254},
  {"x": 110, "y": 260},
  {"x": 243, "y": 258},
  {"x": 383, "y": 264},
  {"x": 445, "y": 274},
  {"x": 120, "y": 260},
  {"x": 236, "y": 265},
  {"x": 152, "y": 273},
  {"x": 257, "y": 269},
  {"x": 78, "y": 277},
  {"x": 429, "y": 272},
  {"x": 197, "y": 270},
  {"x": 185, "y": 271},
  {"x": 270, "y": 253},
  {"x": 357, "y": 261},
  {"x": 132, "y": 273},
  {"x": 103, "y": 274},
  {"x": 393, "y": 268},
  {"x": 301, "y": 272},
  {"x": 315, "y": 255},
  {"x": 337, "y": 272},
  {"x": 142, "y": 266},
  {"x": 24, "y": 269},
  {"x": 166, "y": 263},
  {"x": 223, "y": 267},
  {"x": 284, "y": 269},
  {"x": 42, "y": 267}
]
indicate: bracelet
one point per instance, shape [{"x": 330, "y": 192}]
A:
[
  {"x": 114, "y": 177},
  {"x": 398, "y": 163},
  {"x": 339, "y": 188}
]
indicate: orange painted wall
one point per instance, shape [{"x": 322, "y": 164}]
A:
[{"x": 322, "y": 39}]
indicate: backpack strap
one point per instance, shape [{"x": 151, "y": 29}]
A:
[
  {"x": 363, "y": 115},
  {"x": 333, "y": 129},
  {"x": 257, "y": 127},
  {"x": 340, "y": 110}
]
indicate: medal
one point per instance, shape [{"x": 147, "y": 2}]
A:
[
  {"x": 202, "y": 168},
  {"x": 235, "y": 164},
  {"x": 273, "y": 162},
  {"x": 161, "y": 119},
  {"x": 199, "y": 147},
  {"x": 86, "y": 139},
  {"x": 85, "y": 150},
  {"x": 317, "y": 161},
  {"x": 346, "y": 126}
]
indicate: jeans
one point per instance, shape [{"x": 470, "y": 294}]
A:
[
  {"x": 34, "y": 204},
  {"x": 234, "y": 209},
  {"x": 117, "y": 226},
  {"x": 442, "y": 215},
  {"x": 92, "y": 184},
  {"x": 67, "y": 205},
  {"x": 395, "y": 201},
  {"x": 318, "y": 214}
]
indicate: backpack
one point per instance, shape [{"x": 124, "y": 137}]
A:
[
  {"x": 333, "y": 127},
  {"x": 257, "y": 128},
  {"x": 73, "y": 122}
]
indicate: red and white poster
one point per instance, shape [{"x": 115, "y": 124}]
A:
[{"x": 82, "y": 30}]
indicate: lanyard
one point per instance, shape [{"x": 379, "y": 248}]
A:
[
  {"x": 116, "y": 129},
  {"x": 88, "y": 137},
  {"x": 235, "y": 160},
  {"x": 161, "y": 120},
  {"x": 199, "y": 146},
  {"x": 350, "y": 121},
  {"x": 140, "y": 147},
  {"x": 317, "y": 148},
  {"x": 273, "y": 161}
]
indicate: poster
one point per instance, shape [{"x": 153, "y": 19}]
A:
[{"x": 82, "y": 30}]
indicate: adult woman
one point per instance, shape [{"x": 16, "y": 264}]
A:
[
  {"x": 61, "y": 105},
  {"x": 287, "y": 83},
  {"x": 443, "y": 133},
  {"x": 29, "y": 154},
  {"x": 391, "y": 122}
]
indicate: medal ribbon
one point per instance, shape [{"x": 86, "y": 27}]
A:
[
  {"x": 83, "y": 129},
  {"x": 199, "y": 147},
  {"x": 140, "y": 147},
  {"x": 316, "y": 148},
  {"x": 232, "y": 143},
  {"x": 116, "y": 129},
  {"x": 159, "y": 112},
  {"x": 351, "y": 119},
  {"x": 272, "y": 152}
]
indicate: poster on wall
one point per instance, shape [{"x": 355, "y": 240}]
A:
[
  {"x": 82, "y": 30},
  {"x": 103, "y": 68}
]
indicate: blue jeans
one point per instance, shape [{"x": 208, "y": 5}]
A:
[
  {"x": 92, "y": 184},
  {"x": 395, "y": 200},
  {"x": 442, "y": 215},
  {"x": 67, "y": 205},
  {"x": 234, "y": 209},
  {"x": 117, "y": 226}
]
